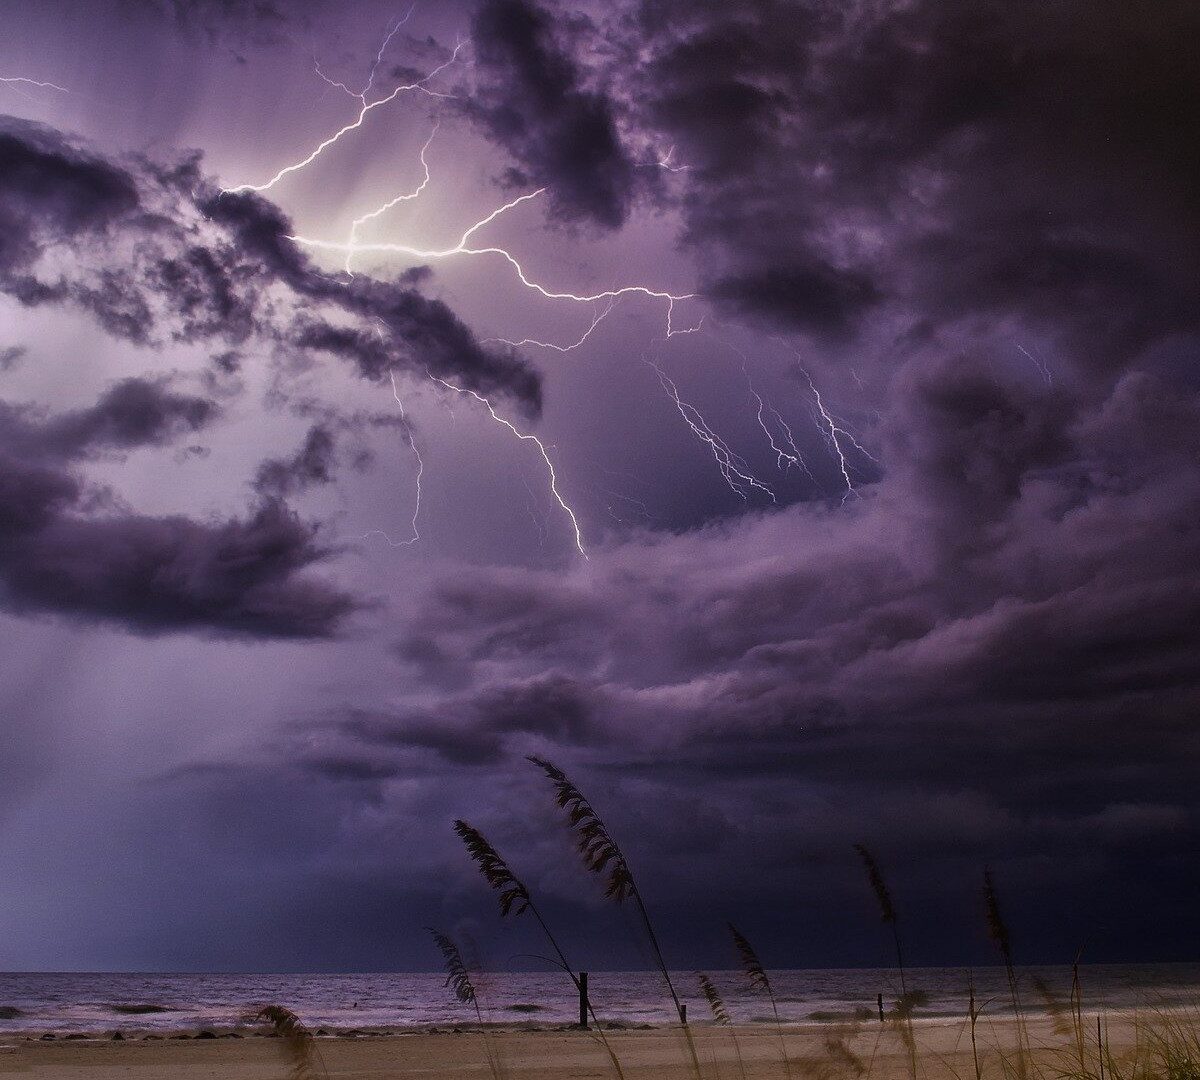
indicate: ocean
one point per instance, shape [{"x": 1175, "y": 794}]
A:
[{"x": 102, "y": 1003}]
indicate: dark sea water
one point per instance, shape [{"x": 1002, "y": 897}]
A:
[{"x": 64, "y": 1002}]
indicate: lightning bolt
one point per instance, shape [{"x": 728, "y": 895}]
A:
[
  {"x": 362, "y": 94},
  {"x": 733, "y": 468},
  {"x": 412, "y": 445},
  {"x": 550, "y": 344},
  {"x": 832, "y": 428},
  {"x": 371, "y": 215},
  {"x": 462, "y": 247},
  {"x": 790, "y": 453},
  {"x": 539, "y": 520},
  {"x": 525, "y": 437},
  {"x": 665, "y": 162},
  {"x": 465, "y": 247},
  {"x": 367, "y": 107},
  {"x": 1039, "y": 364},
  {"x": 17, "y": 81}
]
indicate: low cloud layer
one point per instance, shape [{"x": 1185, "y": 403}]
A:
[{"x": 70, "y": 549}]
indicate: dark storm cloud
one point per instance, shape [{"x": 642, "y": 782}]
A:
[
  {"x": 814, "y": 297},
  {"x": 131, "y": 413},
  {"x": 312, "y": 465},
  {"x": 11, "y": 356},
  {"x": 533, "y": 101},
  {"x": 239, "y": 577},
  {"x": 248, "y": 23},
  {"x": 481, "y": 728},
  {"x": 65, "y": 550},
  {"x": 156, "y": 252},
  {"x": 989, "y": 658},
  {"x": 967, "y": 162}
]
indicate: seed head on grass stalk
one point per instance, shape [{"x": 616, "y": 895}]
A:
[
  {"x": 515, "y": 900},
  {"x": 998, "y": 932},
  {"x": 601, "y": 855},
  {"x": 514, "y": 897},
  {"x": 599, "y": 850},
  {"x": 305, "y": 1062},
  {"x": 715, "y": 1005},
  {"x": 759, "y": 980},
  {"x": 887, "y": 910},
  {"x": 720, "y": 1016},
  {"x": 458, "y": 979}
]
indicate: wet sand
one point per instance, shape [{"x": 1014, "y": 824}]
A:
[{"x": 944, "y": 1050}]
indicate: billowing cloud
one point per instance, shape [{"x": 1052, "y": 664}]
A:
[
  {"x": 970, "y": 224},
  {"x": 158, "y": 253},
  {"x": 534, "y": 102},
  {"x": 67, "y": 550}
]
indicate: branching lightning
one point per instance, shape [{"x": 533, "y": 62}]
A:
[
  {"x": 367, "y": 107},
  {"x": 665, "y": 162},
  {"x": 788, "y": 455},
  {"x": 371, "y": 215},
  {"x": 1043, "y": 370},
  {"x": 832, "y": 428},
  {"x": 550, "y": 344},
  {"x": 525, "y": 437},
  {"x": 362, "y": 94},
  {"x": 734, "y": 469},
  {"x": 462, "y": 247},
  {"x": 412, "y": 445}
]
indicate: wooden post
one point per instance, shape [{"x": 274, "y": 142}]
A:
[
  {"x": 879, "y": 1002},
  {"x": 683, "y": 1012},
  {"x": 583, "y": 1000}
]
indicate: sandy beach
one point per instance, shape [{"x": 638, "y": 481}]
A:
[{"x": 944, "y": 1049}]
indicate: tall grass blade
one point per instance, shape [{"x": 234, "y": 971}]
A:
[
  {"x": 516, "y": 900},
  {"x": 458, "y": 979},
  {"x": 720, "y": 1015},
  {"x": 601, "y": 855},
  {"x": 304, "y": 1061},
  {"x": 998, "y": 932},
  {"x": 760, "y": 981}
]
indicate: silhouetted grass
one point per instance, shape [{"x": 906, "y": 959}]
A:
[
  {"x": 601, "y": 855},
  {"x": 515, "y": 900},
  {"x": 903, "y": 1008},
  {"x": 304, "y": 1062},
  {"x": 458, "y": 979},
  {"x": 759, "y": 980},
  {"x": 998, "y": 932},
  {"x": 720, "y": 1015}
]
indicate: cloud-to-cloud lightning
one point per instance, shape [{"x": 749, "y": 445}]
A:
[
  {"x": 788, "y": 455},
  {"x": 370, "y": 83},
  {"x": 556, "y": 347},
  {"x": 16, "y": 82},
  {"x": 406, "y": 197},
  {"x": 526, "y": 437},
  {"x": 420, "y": 86},
  {"x": 733, "y": 468},
  {"x": 416, "y": 453},
  {"x": 463, "y": 247}
]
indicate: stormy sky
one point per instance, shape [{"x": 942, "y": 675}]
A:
[{"x": 803, "y": 451}]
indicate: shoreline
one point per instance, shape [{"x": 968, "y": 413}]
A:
[
  {"x": 218, "y": 1030},
  {"x": 754, "y": 1051}
]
